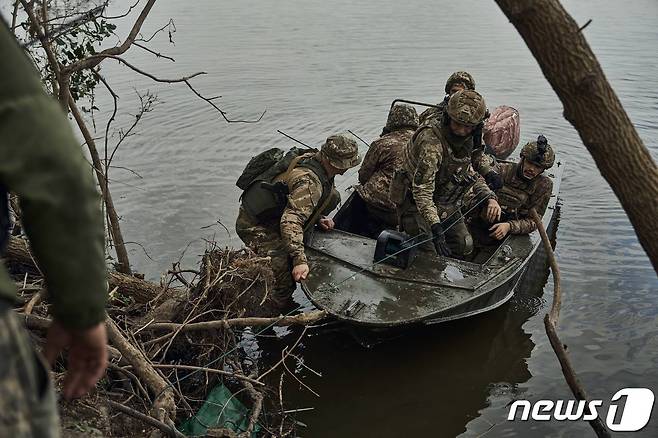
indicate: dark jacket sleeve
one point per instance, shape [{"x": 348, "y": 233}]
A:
[{"x": 41, "y": 161}]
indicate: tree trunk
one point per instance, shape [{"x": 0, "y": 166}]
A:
[
  {"x": 592, "y": 107},
  {"x": 123, "y": 264}
]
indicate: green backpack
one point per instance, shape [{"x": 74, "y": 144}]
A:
[{"x": 267, "y": 165}]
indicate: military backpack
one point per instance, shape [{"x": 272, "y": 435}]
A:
[{"x": 265, "y": 199}]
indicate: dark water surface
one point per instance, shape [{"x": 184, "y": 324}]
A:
[{"x": 320, "y": 67}]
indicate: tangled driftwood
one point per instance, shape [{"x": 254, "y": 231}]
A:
[{"x": 170, "y": 345}]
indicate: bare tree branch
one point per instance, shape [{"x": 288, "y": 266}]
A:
[
  {"x": 124, "y": 14},
  {"x": 157, "y": 54},
  {"x": 551, "y": 322},
  {"x": 93, "y": 61},
  {"x": 168, "y": 25}
]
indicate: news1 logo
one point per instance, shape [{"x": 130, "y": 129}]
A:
[{"x": 629, "y": 410}]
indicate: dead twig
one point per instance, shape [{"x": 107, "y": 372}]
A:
[
  {"x": 300, "y": 319},
  {"x": 164, "y": 406},
  {"x": 209, "y": 370},
  {"x": 168, "y": 429},
  {"x": 551, "y": 322}
]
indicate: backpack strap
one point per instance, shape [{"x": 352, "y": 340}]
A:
[{"x": 317, "y": 214}]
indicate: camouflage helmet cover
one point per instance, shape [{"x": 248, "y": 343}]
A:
[
  {"x": 467, "y": 107},
  {"x": 341, "y": 151},
  {"x": 460, "y": 77},
  {"x": 402, "y": 116},
  {"x": 539, "y": 152}
]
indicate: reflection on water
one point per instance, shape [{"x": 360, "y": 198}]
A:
[{"x": 319, "y": 67}]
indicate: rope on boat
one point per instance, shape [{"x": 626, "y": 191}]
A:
[{"x": 551, "y": 320}]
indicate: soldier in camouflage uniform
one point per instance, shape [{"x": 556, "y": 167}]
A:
[
  {"x": 383, "y": 158},
  {"x": 524, "y": 188},
  {"x": 42, "y": 163},
  {"x": 482, "y": 162},
  {"x": 438, "y": 173},
  {"x": 311, "y": 193},
  {"x": 459, "y": 80}
]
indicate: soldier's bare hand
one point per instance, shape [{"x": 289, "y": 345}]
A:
[
  {"x": 499, "y": 231},
  {"x": 87, "y": 358},
  {"x": 326, "y": 223},
  {"x": 300, "y": 272},
  {"x": 493, "y": 211}
]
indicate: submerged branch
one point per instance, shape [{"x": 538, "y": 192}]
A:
[{"x": 551, "y": 322}]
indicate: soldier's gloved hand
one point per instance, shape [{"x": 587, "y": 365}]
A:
[
  {"x": 439, "y": 240},
  {"x": 494, "y": 180}
]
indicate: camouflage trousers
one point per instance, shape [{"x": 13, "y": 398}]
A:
[
  {"x": 27, "y": 399},
  {"x": 457, "y": 235},
  {"x": 265, "y": 240}
]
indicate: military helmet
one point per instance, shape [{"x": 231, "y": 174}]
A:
[
  {"x": 539, "y": 152},
  {"x": 341, "y": 151},
  {"x": 402, "y": 116},
  {"x": 467, "y": 107},
  {"x": 460, "y": 77}
]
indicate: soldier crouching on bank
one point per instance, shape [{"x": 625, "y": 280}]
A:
[
  {"x": 524, "y": 187},
  {"x": 381, "y": 161},
  {"x": 277, "y": 230}
]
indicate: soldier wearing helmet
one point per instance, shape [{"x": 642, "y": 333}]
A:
[
  {"x": 379, "y": 164},
  {"x": 437, "y": 162},
  {"x": 524, "y": 187},
  {"x": 459, "y": 80},
  {"x": 482, "y": 162},
  {"x": 310, "y": 194}
]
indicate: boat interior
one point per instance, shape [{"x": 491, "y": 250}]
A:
[{"x": 353, "y": 218}]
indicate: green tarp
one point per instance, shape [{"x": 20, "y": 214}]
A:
[{"x": 220, "y": 410}]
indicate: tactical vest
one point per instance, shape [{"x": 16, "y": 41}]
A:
[
  {"x": 515, "y": 194},
  {"x": 453, "y": 178},
  {"x": 266, "y": 205}
]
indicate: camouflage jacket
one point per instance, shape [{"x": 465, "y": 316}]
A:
[
  {"x": 305, "y": 191},
  {"x": 518, "y": 196},
  {"x": 383, "y": 158},
  {"x": 483, "y": 163},
  {"x": 431, "y": 173}
]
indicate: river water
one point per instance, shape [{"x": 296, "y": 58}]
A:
[{"x": 320, "y": 67}]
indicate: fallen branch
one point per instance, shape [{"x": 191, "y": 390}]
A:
[
  {"x": 142, "y": 291},
  {"x": 300, "y": 319},
  {"x": 209, "y": 370},
  {"x": 164, "y": 406},
  {"x": 169, "y": 430},
  {"x": 551, "y": 322}
]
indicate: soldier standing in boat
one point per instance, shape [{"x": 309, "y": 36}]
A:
[
  {"x": 524, "y": 187},
  {"x": 309, "y": 183},
  {"x": 482, "y": 162},
  {"x": 436, "y": 174},
  {"x": 381, "y": 161}
]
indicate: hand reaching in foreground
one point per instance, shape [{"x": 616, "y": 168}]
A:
[
  {"x": 300, "y": 272},
  {"x": 87, "y": 358},
  {"x": 326, "y": 223},
  {"x": 499, "y": 231}
]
